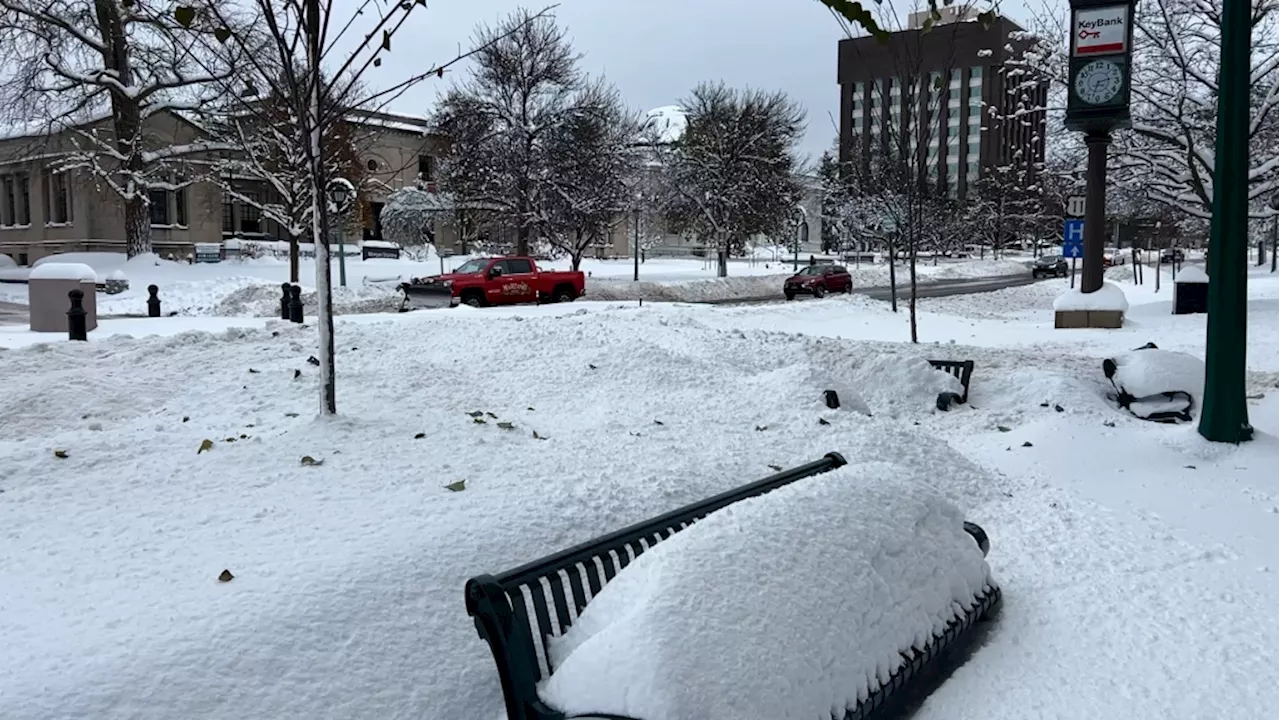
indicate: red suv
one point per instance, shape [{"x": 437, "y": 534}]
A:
[{"x": 818, "y": 280}]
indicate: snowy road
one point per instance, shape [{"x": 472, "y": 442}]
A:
[
  {"x": 924, "y": 289},
  {"x": 13, "y": 314}
]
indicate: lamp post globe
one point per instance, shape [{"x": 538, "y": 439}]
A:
[{"x": 341, "y": 194}]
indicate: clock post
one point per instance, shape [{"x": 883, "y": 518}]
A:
[{"x": 1097, "y": 104}]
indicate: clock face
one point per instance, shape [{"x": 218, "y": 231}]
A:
[{"x": 1099, "y": 82}]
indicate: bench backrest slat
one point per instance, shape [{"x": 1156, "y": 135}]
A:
[
  {"x": 961, "y": 369},
  {"x": 499, "y": 604}
]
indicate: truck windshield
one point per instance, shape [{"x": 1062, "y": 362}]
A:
[{"x": 471, "y": 267}]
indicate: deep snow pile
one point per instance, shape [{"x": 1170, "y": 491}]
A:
[
  {"x": 347, "y": 596},
  {"x": 836, "y": 576}
]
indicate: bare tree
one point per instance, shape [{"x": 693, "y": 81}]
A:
[
  {"x": 732, "y": 173},
  {"x": 409, "y": 216},
  {"x": 523, "y": 86},
  {"x": 593, "y": 159},
  {"x": 100, "y": 72},
  {"x": 286, "y": 48},
  {"x": 269, "y": 168}
]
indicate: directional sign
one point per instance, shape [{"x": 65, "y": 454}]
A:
[
  {"x": 1073, "y": 238},
  {"x": 1100, "y": 31},
  {"x": 1075, "y": 206}
]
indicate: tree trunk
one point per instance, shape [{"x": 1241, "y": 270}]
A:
[
  {"x": 126, "y": 121},
  {"x": 911, "y": 302},
  {"x": 324, "y": 298},
  {"x": 522, "y": 240},
  {"x": 722, "y": 255},
  {"x": 293, "y": 259},
  {"x": 137, "y": 226},
  {"x": 893, "y": 277}
]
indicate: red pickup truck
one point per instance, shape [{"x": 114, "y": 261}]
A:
[{"x": 495, "y": 281}]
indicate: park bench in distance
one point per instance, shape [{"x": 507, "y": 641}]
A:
[
  {"x": 963, "y": 370},
  {"x": 519, "y": 643}
]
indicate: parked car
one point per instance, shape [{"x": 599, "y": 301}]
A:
[
  {"x": 818, "y": 280},
  {"x": 1171, "y": 255},
  {"x": 1112, "y": 257},
  {"x": 1049, "y": 266},
  {"x": 495, "y": 281}
]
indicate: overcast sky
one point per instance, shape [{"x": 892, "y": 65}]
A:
[{"x": 654, "y": 51}]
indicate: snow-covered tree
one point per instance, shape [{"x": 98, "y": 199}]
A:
[
  {"x": 524, "y": 85},
  {"x": 732, "y": 173},
  {"x": 99, "y": 73},
  {"x": 409, "y": 216},
  {"x": 593, "y": 161},
  {"x": 1176, "y": 53}
]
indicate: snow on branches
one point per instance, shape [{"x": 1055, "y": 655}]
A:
[
  {"x": 1169, "y": 153},
  {"x": 102, "y": 75},
  {"x": 732, "y": 173}
]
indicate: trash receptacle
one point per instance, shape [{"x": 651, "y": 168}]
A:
[
  {"x": 47, "y": 288},
  {"x": 1190, "y": 291}
]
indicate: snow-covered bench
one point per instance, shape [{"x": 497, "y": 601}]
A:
[
  {"x": 963, "y": 370},
  {"x": 518, "y": 611}
]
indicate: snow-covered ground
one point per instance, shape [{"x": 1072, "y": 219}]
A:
[
  {"x": 251, "y": 288},
  {"x": 1138, "y": 562}
]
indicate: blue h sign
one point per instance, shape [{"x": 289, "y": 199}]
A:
[{"x": 1073, "y": 238}]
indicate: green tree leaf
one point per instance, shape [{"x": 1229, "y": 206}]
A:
[
  {"x": 457, "y": 486},
  {"x": 205, "y": 445}
]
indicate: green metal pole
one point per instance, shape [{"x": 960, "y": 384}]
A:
[
  {"x": 342, "y": 255},
  {"x": 1225, "y": 415}
]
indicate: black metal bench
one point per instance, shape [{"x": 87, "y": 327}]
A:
[
  {"x": 963, "y": 370},
  {"x": 518, "y": 610}
]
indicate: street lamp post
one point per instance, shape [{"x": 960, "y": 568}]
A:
[
  {"x": 341, "y": 195},
  {"x": 802, "y": 230},
  {"x": 636, "y": 252}
]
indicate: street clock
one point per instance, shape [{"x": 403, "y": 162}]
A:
[
  {"x": 1099, "y": 82},
  {"x": 1099, "y": 66}
]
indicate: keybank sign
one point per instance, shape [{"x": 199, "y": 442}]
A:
[{"x": 1100, "y": 31}]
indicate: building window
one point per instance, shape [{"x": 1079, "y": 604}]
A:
[
  {"x": 57, "y": 198},
  {"x": 975, "y": 75},
  {"x": 180, "y": 207},
  {"x": 158, "y": 200},
  {"x": 228, "y": 215},
  {"x": 427, "y": 168},
  {"x": 251, "y": 214},
  {"x": 373, "y": 222},
  {"x": 23, "y": 183},
  {"x": 9, "y": 208}
]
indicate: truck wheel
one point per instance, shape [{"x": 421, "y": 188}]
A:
[
  {"x": 475, "y": 300},
  {"x": 564, "y": 295}
]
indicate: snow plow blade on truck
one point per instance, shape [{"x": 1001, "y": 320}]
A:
[
  {"x": 425, "y": 296},
  {"x": 514, "y": 612}
]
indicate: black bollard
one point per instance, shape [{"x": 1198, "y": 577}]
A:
[
  {"x": 284, "y": 301},
  {"x": 153, "y": 301},
  {"x": 295, "y": 304},
  {"x": 77, "y": 320}
]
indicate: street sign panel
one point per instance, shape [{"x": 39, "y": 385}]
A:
[
  {"x": 1075, "y": 206},
  {"x": 1073, "y": 238},
  {"x": 1100, "y": 31}
]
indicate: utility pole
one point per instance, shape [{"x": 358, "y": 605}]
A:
[{"x": 1225, "y": 415}]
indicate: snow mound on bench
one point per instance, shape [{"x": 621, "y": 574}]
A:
[
  {"x": 901, "y": 384},
  {"x": 795, "y": 604}
]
